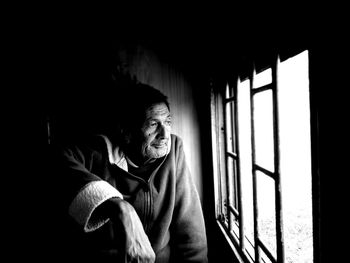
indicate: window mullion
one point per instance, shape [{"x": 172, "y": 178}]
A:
[
  {"x": 221, "y": 138},
  {"x": 238, "y": 170},
  {"x": 278, "y": 192},
  {"x": 255, "y": 199},
  {"x": 218, "y": 116},
  {"x": 228, "y": 179},
  {"x": 263, "y": 88},
  {"x": 265, "y": 171},
  {"x": 218, "y": 154}
]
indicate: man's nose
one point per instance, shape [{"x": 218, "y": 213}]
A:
[{"x": 163, "y": 131}]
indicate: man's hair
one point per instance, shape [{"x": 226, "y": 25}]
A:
[
  {"x": 134, "y": 101},
  {"x": 125, "y": 107}
]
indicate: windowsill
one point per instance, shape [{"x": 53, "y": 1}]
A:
[{"x": 232, "y": 246}]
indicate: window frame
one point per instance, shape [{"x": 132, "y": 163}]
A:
[{"x": 221, "y": 155}]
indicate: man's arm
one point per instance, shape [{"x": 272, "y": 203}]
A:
[
  {"x": 80, "y": 190},
  {"x": 132, "y": 237},
  {"x": 95, "y": 201}
]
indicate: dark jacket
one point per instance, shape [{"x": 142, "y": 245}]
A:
[{"x": 167, "y": 204}]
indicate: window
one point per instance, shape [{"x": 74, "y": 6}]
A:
[{"x": 262, "y": 157}]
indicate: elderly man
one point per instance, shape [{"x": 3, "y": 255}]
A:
[{"x": 130, "y": 193}]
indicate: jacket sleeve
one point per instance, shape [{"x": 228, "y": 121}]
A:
[
  {"x": 79, "y": 189},
  {"x": 189, "y": 233}
]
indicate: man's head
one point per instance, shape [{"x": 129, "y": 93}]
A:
[
  {"x": 146, "y": 123},
  {"x": 155, "y": 131}
]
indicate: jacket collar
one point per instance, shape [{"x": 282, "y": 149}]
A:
[{"x": 116, "y": 155}]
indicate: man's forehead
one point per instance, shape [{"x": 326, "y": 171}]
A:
[{"x": 157, "y": 109}]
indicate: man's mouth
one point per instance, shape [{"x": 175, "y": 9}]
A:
[{"x": 159, "y": 145}]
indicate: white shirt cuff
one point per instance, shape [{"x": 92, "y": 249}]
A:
[{"x": 92, "y": 195}]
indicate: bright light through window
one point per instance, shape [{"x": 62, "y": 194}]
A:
[
  {"x": 263, "y": 78},
  {"x": 295, "y": 152},
  {"x": 263, "y": 130},
  {"x": 293, "y": 143},
  {"x": 295, "y": 158}
]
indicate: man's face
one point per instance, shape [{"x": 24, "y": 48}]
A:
[{"x": 155, "y": 132}]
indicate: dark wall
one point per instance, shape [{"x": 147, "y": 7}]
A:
[{"x": 329, "y": 107}]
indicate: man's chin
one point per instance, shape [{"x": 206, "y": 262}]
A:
[{"x": 158, "y": 153}]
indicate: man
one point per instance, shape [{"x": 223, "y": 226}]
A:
[{"x": 130, "y": 193}]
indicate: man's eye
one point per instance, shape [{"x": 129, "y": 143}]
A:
[
  {"x": 153, "y": 124},
  {"x": 168, "y": 123}
]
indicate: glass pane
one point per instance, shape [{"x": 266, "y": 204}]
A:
[
  {"x": 267, "y": 211},
  {"x": 235, "y": 230},
  {"x": 232, "y": 93},
  {"x": 263, "y": 78},
  {"x": 223, "y": 191},
  {"x": 232, "y": 180},
  {"x": 235, "y": 185},
  {"x": 233, "y": 192},
  {"x": 244, "y": 136},
  {"x": 229, "y": 91},
  {"x": 263, "y": 129},
  {"x": 233, "y": 116},
  {"x": 224, "y": 198},
  {"x": 229, "y": 126},
  {"x": 295, "y": 153}
]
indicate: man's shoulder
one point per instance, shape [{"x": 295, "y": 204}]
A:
[
  {"x": 176, "y": 140},
  {"x": 176, "y": 144}
]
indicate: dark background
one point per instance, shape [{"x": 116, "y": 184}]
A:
[{"x": 55, "y": 56}]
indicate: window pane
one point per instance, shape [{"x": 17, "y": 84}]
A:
[
  {"x": 263, "y": 129},
  {"x": 223, "y": 188},
  {"x": 295, "y": 153},
  {"x": 229, "y": 91},
  {"x": 229, "y": 126},
  {"x": 233, "y": 116},
  {"x": 235, "y": 230},
  {"x": 223, "y": 196},
  {"x": 245, "y": 152},
  {"x": 232, "y": 180},
  {"x": 267, "y": 211},
  {"x": 262, "y": 79}
]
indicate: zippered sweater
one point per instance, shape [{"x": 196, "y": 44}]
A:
[{"x": 167, "y": 204}]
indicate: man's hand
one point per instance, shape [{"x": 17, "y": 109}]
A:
[{"x": 137, "y": 245}]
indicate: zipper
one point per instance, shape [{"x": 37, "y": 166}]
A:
[
  {"x": 148, "y": 202},
  {"x": 148, "y": 195},
  {"x": 148, "y": 208}
]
